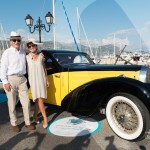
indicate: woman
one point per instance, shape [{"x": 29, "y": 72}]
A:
[{"x": 38, "y": 80}]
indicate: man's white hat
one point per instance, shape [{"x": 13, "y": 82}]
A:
[{"x": 15, "y": 35}]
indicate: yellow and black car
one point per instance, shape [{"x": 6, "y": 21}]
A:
[{"x": 121, "y": 92}]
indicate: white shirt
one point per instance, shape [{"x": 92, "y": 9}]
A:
[{"x": 12, "y": 62}]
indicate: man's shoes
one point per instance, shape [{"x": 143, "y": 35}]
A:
[
  {"x": 30, "y": 127},
  {"x": 16, "y": 128}
]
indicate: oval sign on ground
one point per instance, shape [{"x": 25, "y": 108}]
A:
[{"x": 74, "y": 126}]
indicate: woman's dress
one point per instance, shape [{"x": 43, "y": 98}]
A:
[{"x": 37, "y": 77}]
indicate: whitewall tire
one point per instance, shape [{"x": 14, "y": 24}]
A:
[{"x": 127, "y": 116}]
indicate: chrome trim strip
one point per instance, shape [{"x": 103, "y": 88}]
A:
[{"x": 143, "y": 73}]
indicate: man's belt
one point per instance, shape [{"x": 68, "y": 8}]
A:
[{"x": 18, "y": 75}]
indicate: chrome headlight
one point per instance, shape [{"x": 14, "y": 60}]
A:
[{"x": 144, "y": 74}]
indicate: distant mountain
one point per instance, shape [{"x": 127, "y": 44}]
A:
[
  {"x": 101, "y": 50},
  {"x": 97, "y": 51}
]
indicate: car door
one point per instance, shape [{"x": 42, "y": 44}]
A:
[
  {"x": 58, "y": 80},
  {"x": 53, "y": 91}
]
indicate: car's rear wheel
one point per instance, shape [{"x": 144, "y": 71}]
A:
[{"x": 127, "y": 116}]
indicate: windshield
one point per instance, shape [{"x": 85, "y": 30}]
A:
[{"x": 72, "y": 58}]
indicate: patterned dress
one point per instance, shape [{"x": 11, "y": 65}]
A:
[{"x": 37, "y": 77}]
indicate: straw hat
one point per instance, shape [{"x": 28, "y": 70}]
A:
[
  {"x": 15, "y": 35},
  {"x": 33, "y": 41}
]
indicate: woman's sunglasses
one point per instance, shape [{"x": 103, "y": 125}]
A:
[{"x": 31, "y": 46}]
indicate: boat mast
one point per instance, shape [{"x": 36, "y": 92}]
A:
[
  {"x": 3, "y": 40},
  {"x": 53, "y": 5},
  {"x": 140, "y": 44},
  {"x": 86, "y": 37},
  {"x": 78, "y": 28},
  {"x": 70, "y": 27},
  {"x": 114, "y": 47}
]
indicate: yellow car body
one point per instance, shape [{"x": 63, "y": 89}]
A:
[
  {"x": 62, "y": 83},
  {"x": 121, "y": 92}
]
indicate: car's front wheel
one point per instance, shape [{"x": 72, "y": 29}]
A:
[{"x": 127, "y": 116}]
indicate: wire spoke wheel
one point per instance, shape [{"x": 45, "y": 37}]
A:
[{"x": 127, "y": 116}]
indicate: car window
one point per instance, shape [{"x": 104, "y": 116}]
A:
[
  {"x": 49, "y": 60},
  {"x": 80, "y": 59},
  {"x": 48, "y": 64},
  {"x": 69, "y": 58}
]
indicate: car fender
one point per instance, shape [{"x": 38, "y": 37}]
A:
[{"x": 85, "y": 99}]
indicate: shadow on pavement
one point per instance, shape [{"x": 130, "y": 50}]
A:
[
  {"x": 78, "y": 143},
  {"x": 111, "y": 143},
  {"x": 15, "y": 140},
  {"x": 51, "y": 110},
  {"x": 4, "y": 113},
  {"x": 142, "y": 147}
]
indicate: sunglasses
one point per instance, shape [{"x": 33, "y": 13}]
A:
[
  {"x": 31, "y": 46},
  {"x": 14, "y": 40}
]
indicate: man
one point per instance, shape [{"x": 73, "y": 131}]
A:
[{"x": 13, "y": 69}]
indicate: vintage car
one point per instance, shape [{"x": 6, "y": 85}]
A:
[{"x": 121, "y": 92}]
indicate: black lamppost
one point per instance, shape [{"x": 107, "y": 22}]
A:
[{"x": 39, "y": 26}]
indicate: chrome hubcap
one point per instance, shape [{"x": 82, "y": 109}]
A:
[{"x": 125, "y": 117}]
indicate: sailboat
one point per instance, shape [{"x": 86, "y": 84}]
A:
[{"x": 3, "y": 41}]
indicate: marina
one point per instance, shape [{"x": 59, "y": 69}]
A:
[{"x": 97, "y": 61}]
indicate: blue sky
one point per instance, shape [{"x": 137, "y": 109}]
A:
[{"x": 102, "y": 20}]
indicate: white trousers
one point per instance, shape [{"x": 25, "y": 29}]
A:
[{"x": 19, "y": 86}]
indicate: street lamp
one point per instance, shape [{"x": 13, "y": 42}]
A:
[{"x": 39, "y": 26}]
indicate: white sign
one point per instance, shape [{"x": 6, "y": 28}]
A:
[{"x": 73, "y": 126}]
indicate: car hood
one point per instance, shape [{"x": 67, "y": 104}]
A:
[{"x": 99, "y": 67}]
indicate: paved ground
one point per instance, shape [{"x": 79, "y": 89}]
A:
[{"x": 41, "y": 139}]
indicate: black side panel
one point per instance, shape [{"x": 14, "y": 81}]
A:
[{"x": 85, "y": 99}]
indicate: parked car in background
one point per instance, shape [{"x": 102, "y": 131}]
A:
[{"x": 121, "y": 92}]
